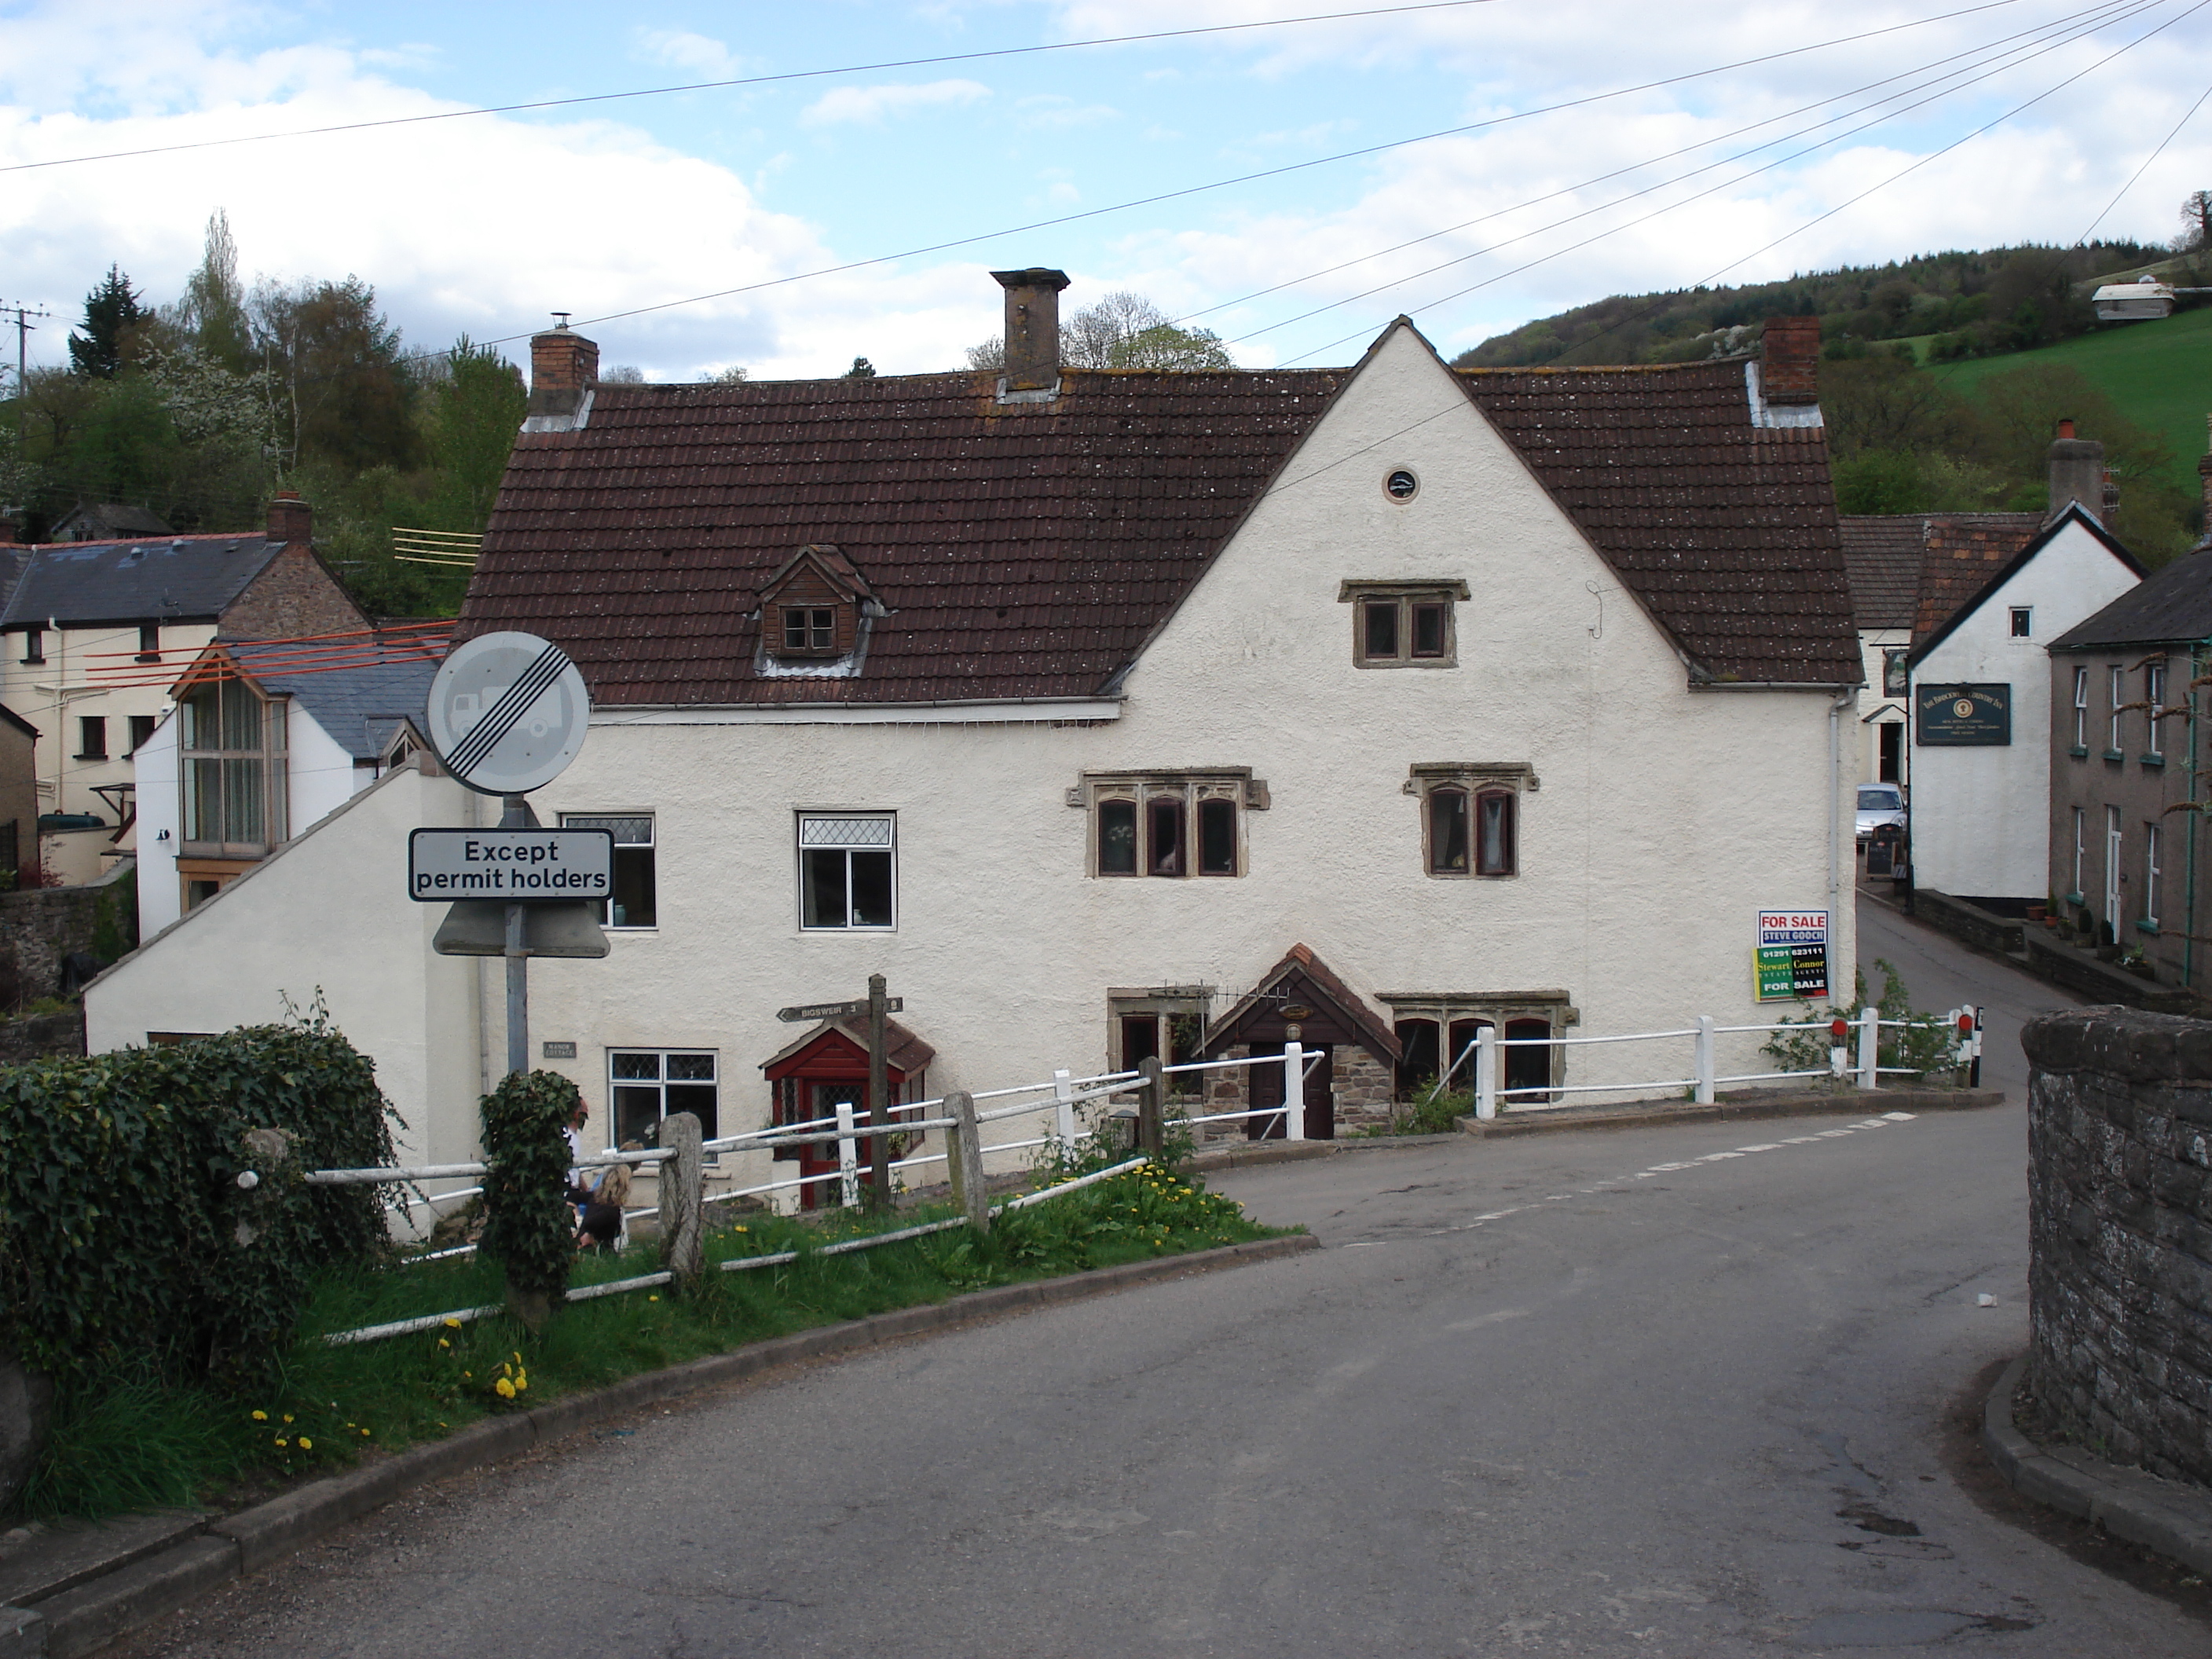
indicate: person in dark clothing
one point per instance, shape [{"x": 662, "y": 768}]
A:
[{"x": 602, "y": 1221}]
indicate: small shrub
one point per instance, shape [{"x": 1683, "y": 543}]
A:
[
  {"x": 529, "y": 1229},
  {"x": 1925, "y": 1042}
]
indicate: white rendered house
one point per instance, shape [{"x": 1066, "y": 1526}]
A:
[{"x": 1118, "y": 713}]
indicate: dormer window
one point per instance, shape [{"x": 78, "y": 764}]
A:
[
  {"x": 815, "y": 614},
  {"x": 810, "y": 630}
]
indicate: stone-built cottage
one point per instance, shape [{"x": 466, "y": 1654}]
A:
[
  {"x": 1113, "y": 713},
  {"x": 92, "y": 627}
]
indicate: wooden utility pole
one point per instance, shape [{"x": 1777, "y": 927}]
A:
[{"x": 879, "y": 1113}]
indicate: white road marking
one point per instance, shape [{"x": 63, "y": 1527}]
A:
[
  {"x": 1881, "y": 1122},
  {"x": 1481, "y": 1320}
]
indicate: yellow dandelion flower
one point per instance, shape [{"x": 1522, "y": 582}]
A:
[
  {"x": 287, "y": 1417},
  {"x": 305, "y": 1444},
  {"x": 261, "y": 1417},
  {"x": 652, "y": 1298},
  {"x": 441, "y": 1425},
  {"x": 281, "y": 1441},
  {"x": 454, "y": 1324},
  {"x": 521, "y": 1384},
  {"x": 503, "y": 1389},
  {"x": 364, "y": 1433},
  {"x": 443, "y": 1343},
  {"x": 740, "y": 1230},
  {"x": 469, "y": 1374}
]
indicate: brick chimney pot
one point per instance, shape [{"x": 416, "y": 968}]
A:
[
  {"x": 563, "y": 366},
  {"x": 290, "y": 519}
]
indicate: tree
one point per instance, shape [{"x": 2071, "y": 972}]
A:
[
  {"x": 862, "y": 369},
  {"x": 212, "y": 312},
  {"x": 112, "y": 316},
  {"x": 473, "y": 410},
  {"x": 735, "y": 374},
  {"x": 2196, "y": 221},
  {"x": 1122, "y": 330},
  {"x": 340, "y": 391}
]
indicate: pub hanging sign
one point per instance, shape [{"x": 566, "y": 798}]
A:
[{"x": 1961, "y": 715}]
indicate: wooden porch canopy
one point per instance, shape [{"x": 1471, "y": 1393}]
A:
[
  {"x": 837, "y": 1050},
  {"x": 1300, "y": 990}
]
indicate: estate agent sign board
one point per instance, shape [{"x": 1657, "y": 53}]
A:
[
  {"x": 1962, "y": 715},
  {"x": 1791, "y": 961}
]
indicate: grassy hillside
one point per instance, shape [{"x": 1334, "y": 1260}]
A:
[{"x": 2160, "y": 373}]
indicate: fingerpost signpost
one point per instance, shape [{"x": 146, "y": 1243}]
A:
[
  {"x": 507, "y": 713},
  {"x": 875, "y": 1005}
]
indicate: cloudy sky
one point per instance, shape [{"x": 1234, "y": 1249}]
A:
[{"x": 851, "y": 199}]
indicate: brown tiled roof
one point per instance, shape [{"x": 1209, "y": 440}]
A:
[
  {"x": 1961, "y": 552},
  {"x": 1881, "y": 556},
  {"x": 1027, "y": 550},
  {"x": 1726, "y": 531},
  {"x": 1022, "y": 550}
]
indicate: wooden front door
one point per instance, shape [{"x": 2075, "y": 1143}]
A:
[{"x": 1267, "y": 1091}]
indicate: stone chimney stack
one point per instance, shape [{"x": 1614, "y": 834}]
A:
[
  {"x": 564, "y": 366},
  {"x": 2077, "y": 472},
  {"x": 1789, "y": 369},
  {"x": 1032, "y": 327},
  {"x": 291, "y": 520}
]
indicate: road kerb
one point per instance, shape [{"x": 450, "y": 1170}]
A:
[
  {"x": 2162, "y": 1515},
  {"x": 90, "y": 1615}
]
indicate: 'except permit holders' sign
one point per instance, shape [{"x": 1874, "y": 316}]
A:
[
  {"x": 1962, "y": 715},
  {"x": 1791, "y": 962},
  {"x": 510, "y": 865}
]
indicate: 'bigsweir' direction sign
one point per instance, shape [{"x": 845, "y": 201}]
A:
[{"x": 510, "y": 865}]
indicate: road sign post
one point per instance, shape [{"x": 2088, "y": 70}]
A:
[
  {"x": 508, "y": 712},
  {"x": 879, "y": 1115}
]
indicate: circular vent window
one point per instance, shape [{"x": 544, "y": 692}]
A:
[{"x": 1401, "y": 485}]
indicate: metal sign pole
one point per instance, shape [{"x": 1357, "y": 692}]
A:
[
  {"x": 879, "y": 1116},
  {"x": 517, "y": 816}
]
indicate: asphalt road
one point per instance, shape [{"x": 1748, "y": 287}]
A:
[{"x": 1676, "y": 1392}]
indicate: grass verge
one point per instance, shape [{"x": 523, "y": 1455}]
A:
[{"x": 128, "y": 1439}]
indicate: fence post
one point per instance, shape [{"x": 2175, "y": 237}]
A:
[
  {"x": 1151, "y": 1108},
  {"x": 1063, "y": 1108},
  {"x": 1294, "y": 1092},
  {"x": 848, "y": 1167},
  {"x": 1485, "y": 1072},
  {"x": 1705, "y": 1064},
  {"x": 681, "y": 1221},
  {"x": 964, "y": 1147},
  {"x": 1869, "y": 1048}
]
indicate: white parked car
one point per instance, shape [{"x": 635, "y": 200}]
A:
[{"x": 1878, "y": 804}]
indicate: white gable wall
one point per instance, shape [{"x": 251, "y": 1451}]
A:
[{"x": 1980, "y": 815}]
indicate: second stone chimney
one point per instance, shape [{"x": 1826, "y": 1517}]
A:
[
  {"x": 2077, "y": 473},
  {"x": 1789, "y": 365},
  {"x": 1032, "y": 327},
  {"x": 564, "y": 366},
  {"x": 290, "y": 519}
]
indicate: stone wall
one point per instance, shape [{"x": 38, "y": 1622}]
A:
[
  {"x": 2120, "y": 1231},
  {"x": 1363, "y": 1087},
  {"x": 42, "y": 928}
]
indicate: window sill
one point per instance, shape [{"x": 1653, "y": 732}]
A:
[
  {"x": 1405, "y": 662},
  {"x": 88, "y": 758},
  {"x": 2114, "y": 755},
  {"x": 2151, "y": 760},
  {"x": 2079, "y": 751},
  {"x": 2075, "y": 898},
  {"x": 2147, "y": 924}
]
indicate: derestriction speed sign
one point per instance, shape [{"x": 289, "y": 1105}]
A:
[{"x": 507, "y": 713}]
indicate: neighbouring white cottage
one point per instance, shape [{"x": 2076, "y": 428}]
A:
[{"x": 1112, "y": 714}]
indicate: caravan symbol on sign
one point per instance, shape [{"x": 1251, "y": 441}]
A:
[{"x": 508, "y": 713}]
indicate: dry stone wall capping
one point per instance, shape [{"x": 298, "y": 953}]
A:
[{"x": 2120, "y": 1234}]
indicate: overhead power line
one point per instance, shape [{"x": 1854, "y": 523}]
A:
[
  {"x": 1265, "y": 172},
  {"x": 2145, "y": 167},
  {"x": 937, "y": 61},
  {"x": 1819, "y": 218}
]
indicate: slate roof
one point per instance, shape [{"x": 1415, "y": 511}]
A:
[
  {"x": 2173, "y": 607},
  {"x": 1029, "y": 550},
  {"x": 1727, "y": 532},
  {"x": 112, "y": 521},
  {"x": 163, "y": 579},
  {"x": 12, "y": 561},
  {"x": 1881, "y": 556},
  {"x": 359, "y": 707}
]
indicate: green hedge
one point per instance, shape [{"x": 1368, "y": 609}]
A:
[{"x": 124, "y": 1235}]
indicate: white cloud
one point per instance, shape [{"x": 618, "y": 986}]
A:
[
  {"x": 680, "y": 49},
  {"x": 1051, "y": 109},
  {"x": 871, "y": 104}
]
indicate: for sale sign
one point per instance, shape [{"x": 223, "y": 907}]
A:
[{"x": 1790, "y": 964}]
